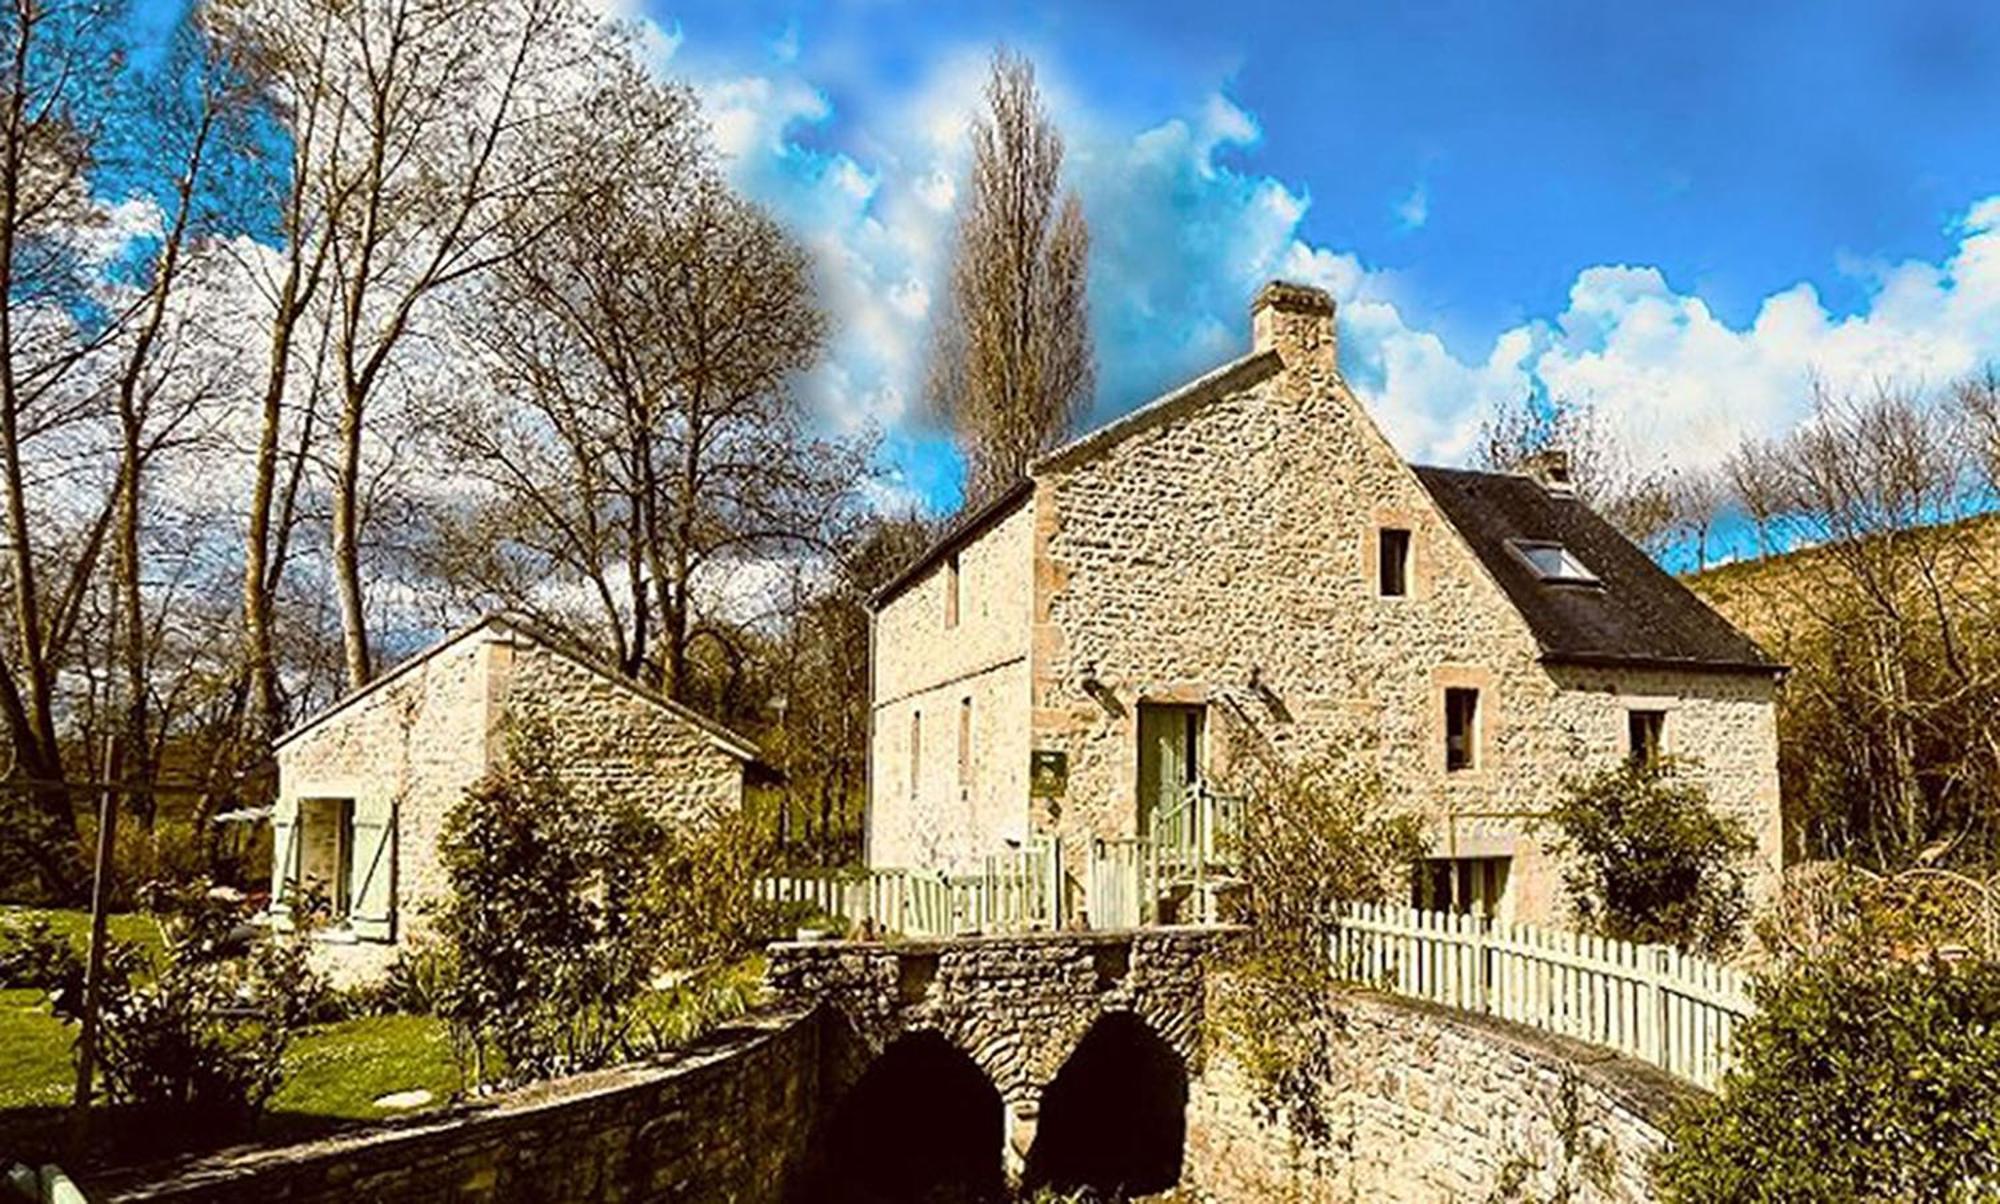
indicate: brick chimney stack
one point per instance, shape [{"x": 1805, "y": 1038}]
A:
[{"x": 1296, "y": 320}]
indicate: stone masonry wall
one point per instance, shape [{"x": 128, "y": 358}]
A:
[
  {"x": 728, "y": 1122},
  {"x": 1224, "y": 554},
  {"x": 1017, "y": 1006},
  {"x": 423, "y": 736},
  {"x": 1424, "y": 1105},
  {"x": 924, "y": 668},
  {"x": 609, "y": 738},
  {"x": 418, "y": 740}
]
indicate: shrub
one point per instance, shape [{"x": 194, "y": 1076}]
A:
[
  {"x": 34, "y": 955},
  {"x": 564, "y": 907},
  {"x": 1315, "y": 836},
  {"x": 1647, "y": 859},
  {"x": 207, "y": 1031},
  {"x": 1857, "y": 1080}
]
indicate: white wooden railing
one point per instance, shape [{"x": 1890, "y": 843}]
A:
[
  {"x": 1015, "y": 891},
  {"x": 1654, "y": 1003}
]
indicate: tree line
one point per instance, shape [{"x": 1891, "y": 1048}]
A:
[{"x": 329, "y": 324}]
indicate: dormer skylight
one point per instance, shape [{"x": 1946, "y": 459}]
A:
[{"x": 1552, "y": 563}]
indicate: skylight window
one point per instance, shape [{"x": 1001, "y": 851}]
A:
[{"x": 1553, "y": 563}]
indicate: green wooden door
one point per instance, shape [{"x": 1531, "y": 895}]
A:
[{"x": 1169, "y": 758}]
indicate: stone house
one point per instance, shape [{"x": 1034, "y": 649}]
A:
[
  {"x": 364, "y": 786},
  {"x": 1246, "y": 569}
]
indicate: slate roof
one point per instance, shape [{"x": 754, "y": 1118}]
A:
[{"x": 1640, "y": 615}]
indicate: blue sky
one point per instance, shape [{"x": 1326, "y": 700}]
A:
[{"x": 1679, "y": 212}]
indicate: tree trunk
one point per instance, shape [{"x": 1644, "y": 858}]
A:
[{"x": 346, "y": 545}]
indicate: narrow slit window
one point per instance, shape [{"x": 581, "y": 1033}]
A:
[
  {"x": 916, "y": 750},
  {"x": 1393, "y": 561},
  {"x": 965, "y": 744},
  {"x": 1644, "y": 731},
  {"x": 951, "y": 591},
  {"x": 1461, "y": 729}
]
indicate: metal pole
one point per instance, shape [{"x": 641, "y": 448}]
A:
[{"x": 93, "y": 979}]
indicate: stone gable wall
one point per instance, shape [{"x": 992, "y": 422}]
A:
[
  {"x": 728, "y": 1122},
  {"x": 923, "y": 668},
  {"x": 1227, "y": 556},
  {"x": 418, "y": 740},
  {"x": 1427, "y": 1104},
  {"x": 609, "y": 739}
]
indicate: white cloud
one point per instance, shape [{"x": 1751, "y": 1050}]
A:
[
  {"x": 1182, "y": 239},
  {"x": 1415, "y": 209}
]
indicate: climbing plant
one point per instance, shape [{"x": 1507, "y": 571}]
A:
[{"x": 1315, "y": 835}]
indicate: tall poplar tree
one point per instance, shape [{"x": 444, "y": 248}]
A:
[{"x": 1012, "y": 366}]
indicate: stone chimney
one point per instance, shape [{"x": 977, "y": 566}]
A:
[
  {"x": 1550, "y": 467},
  {"x": 1295, "y": 320}
]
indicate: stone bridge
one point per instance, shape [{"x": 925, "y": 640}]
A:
[
  {"x": 1082, "y": 1059},
  {"x": 1030, "y": 1014}
]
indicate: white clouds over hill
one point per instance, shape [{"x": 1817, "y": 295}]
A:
[{"x": 1183, "y": 237}]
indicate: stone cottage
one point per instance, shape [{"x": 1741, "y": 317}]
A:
[
  {"x": 1246, "y": 568},
  {"x": 364, "y": 786}
]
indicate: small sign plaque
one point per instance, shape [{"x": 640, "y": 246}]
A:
[{"x": 1048, "y": 773}]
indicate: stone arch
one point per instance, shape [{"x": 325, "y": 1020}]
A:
[
  {"x": 1114, "y": 1119},
  {"x": 922, "y": 1121}
]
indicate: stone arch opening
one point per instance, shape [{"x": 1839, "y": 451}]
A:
[
  {"x": 922, "y": 1123},
  {"x": 1114, "y": 1120}
]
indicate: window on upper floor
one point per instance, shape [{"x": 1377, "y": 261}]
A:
[
  {"x": 1392, "y": 557},
  {"x": 1552, "y": 563},
  {"x": 1644, "y": 732},
  {"x": 951, "y": 591},
  {"x": 916, "y": 750},
  {"x": 1461, "y": 728}
]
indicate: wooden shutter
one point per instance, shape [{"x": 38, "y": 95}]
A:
[
  {"x": 372, "y": 872},
  {"x": 284, "y": 855}
]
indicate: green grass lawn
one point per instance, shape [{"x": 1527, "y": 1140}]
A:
[
  {"x": 333, "y": 1073},
  {"x": 339, "y": 1070}
]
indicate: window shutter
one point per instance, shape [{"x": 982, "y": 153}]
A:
[
  {"x": 372, "y": 873},
  {"x": 284, "y": 855}
]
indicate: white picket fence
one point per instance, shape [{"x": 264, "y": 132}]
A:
[
  {"x": 1016, "y": 891},
  {"x": 1654, "y": 1003}
]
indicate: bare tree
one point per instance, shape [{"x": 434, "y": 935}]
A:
[
  {"x": 637, "y": 435},
  {"x": 58, "y": 67},
  {"x": 1637, "y": 499},
  {"x": 1888, "y": 607},
  {"x": 196, "y": 110},
  {"x": 1011, "y": 367},
  {"x": 427, "y": 130}
]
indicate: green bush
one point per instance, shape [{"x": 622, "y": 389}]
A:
[
  {"x": 564, "y": 908},
  {"x": 1646, "y": 859},
  {"x": 206, "y": 1030},
  {"x": 1856, "y": 1081},
  {"x": 34, "y": 955}
]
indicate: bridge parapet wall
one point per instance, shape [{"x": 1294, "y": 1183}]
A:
[{"x": 1419, "y": 1102}]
